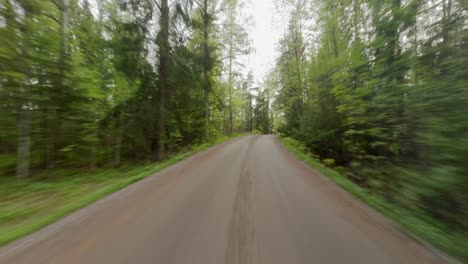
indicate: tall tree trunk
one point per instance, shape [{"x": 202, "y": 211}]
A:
[
  {"x": 356, "y": 16},
  {"x": 163, "y": 70},
  {"x": 118, "y": 142},
  {"x": 51, "y": 127},
  {"x": 231, "y": 57},
  {"x": 250, "y": 112},
  {"x": 24, "y": 143},
  {"x": 230, "y": 87},
  {"x": 267, "y": 92},
  {"x": 53, "y": 117},
  {"x": 64, "y": 6},
  {"x": 94, "y": 148},
  {"x": 206, "y": 68},
  {"x": 24, "y": 117},
  {"x": 207, "y": 107},
  {"x": 118, "y": 150}
]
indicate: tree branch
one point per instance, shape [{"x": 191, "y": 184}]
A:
[
  {"x": 157, "y": 4},
  {"x": 51, "y": 17}
]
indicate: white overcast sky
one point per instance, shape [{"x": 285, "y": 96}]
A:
[{"x": 265, "y": 34}]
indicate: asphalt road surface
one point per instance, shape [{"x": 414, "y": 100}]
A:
[{"x": 245, "y": 201}]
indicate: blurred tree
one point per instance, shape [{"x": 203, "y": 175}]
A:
[
  {"x": 384, "y": 94},
  {"x": 237, "y": 44}
]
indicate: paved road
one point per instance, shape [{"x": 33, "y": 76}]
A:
[{"x": 241, "y": 202}]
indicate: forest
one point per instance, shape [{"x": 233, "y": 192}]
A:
[
  {"x": 98, "y": 83},
  {"x": 379, "y": 91},
  {"x": 374, "y": 89}
]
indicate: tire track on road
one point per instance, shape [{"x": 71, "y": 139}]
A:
[{"x": 241, "y": 246}]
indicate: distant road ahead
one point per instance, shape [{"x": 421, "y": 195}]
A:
[{"x": 245, "y": 201}]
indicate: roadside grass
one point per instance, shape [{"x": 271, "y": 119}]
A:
[
  {"x": 28, "y": 205},
  {"x": 425, "y": 229}
]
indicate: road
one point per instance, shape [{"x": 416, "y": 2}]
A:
[{"x": 245, "y": 201}]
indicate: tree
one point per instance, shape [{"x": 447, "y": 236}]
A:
[
  {"x": 163, "y": 70},
  {"x": 382, "y": 95},
  {"x": 237, "y": 44},
  {"x": 84, "y": 84},
  {"x": 261, "y": 115},
  {"x": 205, "y": 48}
]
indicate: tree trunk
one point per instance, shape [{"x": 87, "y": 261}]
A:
[
  {"x": 51, "y": 128},
  {"x": 206, "y": 69},
  {"x": 24, "y": 143},
  {"x": 118, "y": 143},
  {"x": 118, "y": 150},
  {"x": 94, "y": 149},
  {"x": 231, "y": 55},
  {"x": 53, "y": 119},
  {"x": 250, "y": 112},
  {"x": 207, "y": 108},
  {"x": 230, "y": 88},
  {"x": 63, "y": 5},
  {"x": 163, "y": 70}
]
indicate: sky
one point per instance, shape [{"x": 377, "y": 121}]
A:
[{"x": 265, "y": 34}]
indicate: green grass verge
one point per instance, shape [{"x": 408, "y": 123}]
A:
[
  {"x": 419, "y": 226},
  {"x": 26, "y": 206}
]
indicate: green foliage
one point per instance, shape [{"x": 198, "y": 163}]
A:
[
  {"x": 80, "y": 84},
  {"x": 261, "y": 118},
  {"x": 383, "y": 93},
  {"x": 416, "y": 223}
]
